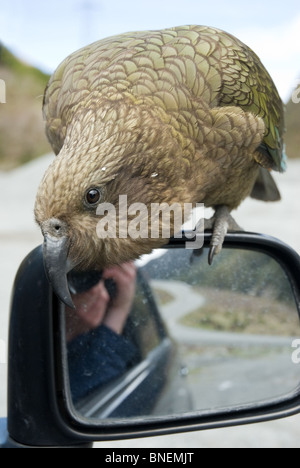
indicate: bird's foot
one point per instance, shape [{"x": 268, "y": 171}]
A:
[{"x": 220, "y": 224}]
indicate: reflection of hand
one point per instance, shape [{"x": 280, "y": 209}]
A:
[
  {"x": 119, "y": 308},
  {"x": 93, "y": 307}
]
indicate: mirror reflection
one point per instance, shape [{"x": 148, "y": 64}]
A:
[{"x": 169, "y": 334}]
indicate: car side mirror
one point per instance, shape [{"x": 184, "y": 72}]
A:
[{"x": 201, "y": 346}]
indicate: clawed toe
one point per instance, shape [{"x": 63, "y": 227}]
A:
[
  {"x": 220, "y": 223},
  {"x": 211, "y": 254}
]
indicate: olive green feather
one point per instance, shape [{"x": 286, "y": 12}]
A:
[{"x": 216, "y": 67}]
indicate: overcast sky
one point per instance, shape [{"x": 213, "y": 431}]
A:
[{"x": 44, "y": 32}]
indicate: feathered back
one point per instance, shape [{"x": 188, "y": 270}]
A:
[{"x": 180, "y": 69}]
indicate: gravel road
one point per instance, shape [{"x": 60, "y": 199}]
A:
[{"x": 18, "y": 235}]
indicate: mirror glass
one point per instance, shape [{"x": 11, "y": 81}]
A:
[{"x": 171, "y": 334}]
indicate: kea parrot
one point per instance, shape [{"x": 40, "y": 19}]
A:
[{"x": 183, "y": 115}]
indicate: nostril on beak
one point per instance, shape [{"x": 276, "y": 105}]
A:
[{"x": 55, "y": 227}]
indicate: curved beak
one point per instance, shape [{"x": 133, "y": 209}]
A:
[{"x": 55, "y": 253}]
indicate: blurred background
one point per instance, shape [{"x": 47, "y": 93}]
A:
[{"x": 35, "y": 37}]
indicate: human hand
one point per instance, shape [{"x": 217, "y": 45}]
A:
[
  {"x": 90, "y": 310},
  {"x": 119, "y": 308}
]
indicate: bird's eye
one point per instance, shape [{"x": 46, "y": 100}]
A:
[{"x": 92, "y": 196}]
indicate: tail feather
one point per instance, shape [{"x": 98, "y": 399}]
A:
[{"x": 265, "y": 188}]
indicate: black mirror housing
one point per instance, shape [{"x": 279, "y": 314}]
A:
[
  {"x": 34, "y": 397},
  {"x": 39, "y": 409}
]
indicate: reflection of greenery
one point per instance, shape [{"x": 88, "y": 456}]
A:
[
  {"x": 245, "y": 291},
  {"x": 236, "y": 312},
  {"x": 250, "y": 272},
  {"x": 245, "y": 271}
]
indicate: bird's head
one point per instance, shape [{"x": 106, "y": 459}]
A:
[{"x": 124, "y": 158}]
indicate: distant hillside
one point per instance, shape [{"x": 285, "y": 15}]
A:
[
  {"x": 22, "y": 135},
  {"x": 292, "y": 122}
]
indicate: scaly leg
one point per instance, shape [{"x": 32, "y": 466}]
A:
[{"x": 220, "y": 223}]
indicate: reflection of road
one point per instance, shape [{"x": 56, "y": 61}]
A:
[
  {"x": 226, "y": 369},
  {"x": 186, "y": 300}
]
